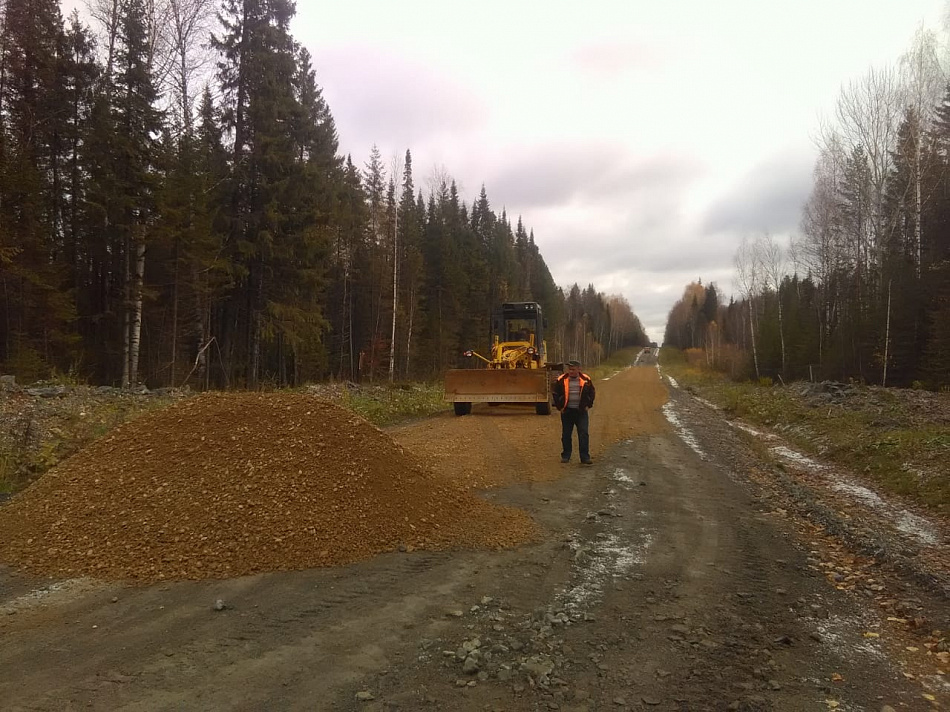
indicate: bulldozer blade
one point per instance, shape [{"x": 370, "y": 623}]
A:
[{"x": 517, "y": 385}]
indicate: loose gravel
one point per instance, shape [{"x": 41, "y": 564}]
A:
[{"x": 224, "y": 485}]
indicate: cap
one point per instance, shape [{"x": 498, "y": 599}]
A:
[{"x": 573, "y": 362}]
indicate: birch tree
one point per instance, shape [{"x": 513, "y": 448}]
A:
[
  {"x": 923, "y": 80},
  {"x": 393, "y": 199},
  {"x": 868, "y": 113},
  {"x": 771, "y": 261},
  {"x": 749, "y": 282},
  {"x": 140, "y": 121}
]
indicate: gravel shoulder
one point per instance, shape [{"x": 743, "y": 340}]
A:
[{"x": 688, "y": 569}]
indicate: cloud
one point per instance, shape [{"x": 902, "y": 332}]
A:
[
  {"x": 595, "y": 174},
  {"x": 391, "y": 99},
  {"x": 611, "y": 58},
  {"x": 770, "y": 197},
  {"x": 649, "y": 256}
]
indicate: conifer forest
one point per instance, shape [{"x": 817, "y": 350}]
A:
[{"x": 174, "y": 209}]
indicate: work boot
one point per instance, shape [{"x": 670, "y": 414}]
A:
[
  {"x": 588, "y": 461},
  {"x": 565, "y": 459}
]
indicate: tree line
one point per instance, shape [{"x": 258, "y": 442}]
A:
[
  {"x": 171, "y": 215},
  {"x": 863, "y": 290}
]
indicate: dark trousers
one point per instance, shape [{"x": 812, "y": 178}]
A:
[{"x": 574, "y": 418}]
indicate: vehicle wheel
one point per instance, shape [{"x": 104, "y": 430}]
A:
[
  {"x": 542, "y": 408},
  {"x": 462, "y": 408}
]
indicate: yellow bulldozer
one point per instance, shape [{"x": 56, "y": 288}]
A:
[{"x": 516, "y": 371}]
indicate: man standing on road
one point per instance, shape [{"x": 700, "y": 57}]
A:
[{"x": 574, "y": 396}]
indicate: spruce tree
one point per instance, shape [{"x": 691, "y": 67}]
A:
[
  {"x": 35, "y": 326},
  {"x": 274, "y": 228}
]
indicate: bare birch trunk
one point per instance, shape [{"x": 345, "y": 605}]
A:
[
  {"x": 887, "y": 333},
  {"x": 174, "y": 359},
  {"x": 137, "y": 295},
  {"x": 755, "y": 353},
  {"x": 198, "y": 330},
  {"x": 112, "y": 26},
  {"x": 126, "y": 309},
  {"x": 918, "y": 205},
  {"x": 409, "y": 331}
]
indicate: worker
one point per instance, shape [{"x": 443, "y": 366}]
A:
[{"x": 574, "y": 395}]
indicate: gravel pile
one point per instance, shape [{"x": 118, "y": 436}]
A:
[{"x": 231, "y": 484}]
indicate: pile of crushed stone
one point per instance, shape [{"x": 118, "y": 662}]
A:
[{"x": 225, "y": 485}]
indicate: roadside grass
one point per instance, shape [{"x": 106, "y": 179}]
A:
[
  {"x": 880, "y": 443},
  {"x": 390, "y": 405}
]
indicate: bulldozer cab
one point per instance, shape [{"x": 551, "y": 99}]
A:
[{"x": 516, "y": 325}]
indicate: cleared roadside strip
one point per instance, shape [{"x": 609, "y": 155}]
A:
[{"x": 913, "y": 525}]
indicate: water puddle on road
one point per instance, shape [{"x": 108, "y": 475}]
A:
[
  {"x": 684, "y": 433},
  {"x": 796, "y": 457},
  {"x": 707, "y": 403},
  {"x": 844, "y": 634},
  {"x": 621, "y": 476},
  {"x": 904, "y": 521},
  {"x": 611, "y": 554},
  {"x": 597, "y": 563}
]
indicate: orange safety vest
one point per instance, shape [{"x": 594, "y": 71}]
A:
[{"x": 582, "y": 377}]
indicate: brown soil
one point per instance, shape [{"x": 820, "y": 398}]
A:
[
  {"x": 501, "y": 445},
  {"x": 230, "y": 484}
]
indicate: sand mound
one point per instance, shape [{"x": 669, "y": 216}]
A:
[{"x": 231, "y": 484}]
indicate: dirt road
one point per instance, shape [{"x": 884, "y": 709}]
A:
[{"x": 677, "y": 573}]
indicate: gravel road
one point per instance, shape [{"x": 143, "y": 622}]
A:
[{"x": 685, "y": 570}]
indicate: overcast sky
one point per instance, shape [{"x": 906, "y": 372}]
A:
[{"x": 640, "y": 140}]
